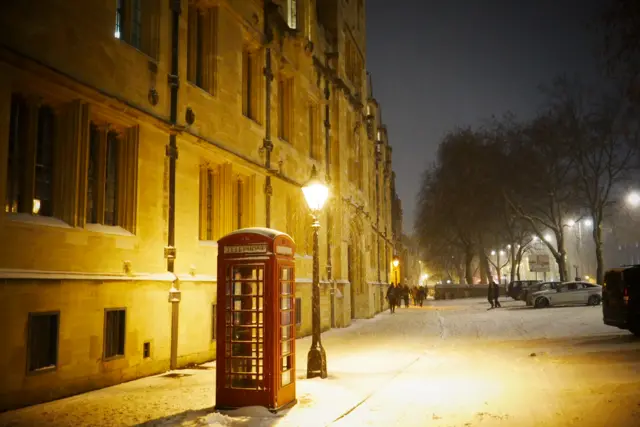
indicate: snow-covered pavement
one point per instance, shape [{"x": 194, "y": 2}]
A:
[{"x": 451, "y": 363}]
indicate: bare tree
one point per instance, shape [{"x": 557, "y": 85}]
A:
[
  {"x": 602, "y": 130},
  {"x": 541, "y": 188}
]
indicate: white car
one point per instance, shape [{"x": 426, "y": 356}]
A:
[{"x": 568, "y": 293}]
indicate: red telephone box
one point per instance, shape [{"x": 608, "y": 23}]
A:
[{"x": 256, "y": 320}]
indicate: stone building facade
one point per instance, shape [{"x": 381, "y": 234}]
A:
[{"x": 136, "y": 133}]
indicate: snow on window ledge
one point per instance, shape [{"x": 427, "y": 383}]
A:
[
  {"x": 108, "y": 229},
  {"x": 209, "y": 243},
  {"x": 46, "y": 221}
]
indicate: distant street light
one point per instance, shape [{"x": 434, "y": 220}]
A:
[
  {"x": 535, "y": 238},
  {"x": 508, "y": 246},
  {"x": 633, "y": 199},
  {"x": 501, "y": 252},
  {"x": 571, "y": 223},
  {"x": 493, "y": 253},
  {"x": 448, "y": 281},
  {"x": 547, "y": 237},
  {"x": 396, "y": 263},
  {"x": 588, "y": 222}
]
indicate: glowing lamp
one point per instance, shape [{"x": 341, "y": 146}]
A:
[{"x": 315, "y": 192}]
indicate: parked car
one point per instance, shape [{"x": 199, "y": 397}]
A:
[
  {"x": 515, "y": 288},
  {"x": 527, "y": 293},
  {"x": 568, "y": 293},
  {"x": 621, "y": 298}
]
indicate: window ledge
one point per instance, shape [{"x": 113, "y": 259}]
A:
[
  {"x": 108, "y": 229},
  {"x": 200, "y": 89},
  {"x": 208, "y": 243},
  {"x": 254, "y": 122},
  {"x": 146, "y": 55},
  {"x": 112, "y": 358},
  {"x": 43, "y": 370},
  {"x": 46, "y": 221}
]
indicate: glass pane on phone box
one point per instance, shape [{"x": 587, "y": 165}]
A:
[
  {"x": 260, "y": 319},
  {"x": 260, "y": 290},
  {"x": 244, "y": 318},
  {"x": 285, "y": 303},
  {"x": 286, "y": 332},
  {"x": 245, "y": 288},
  {"x": 244, "y": 381},
  {"x": 244, "y": 365},
  {"x": 286, "y": 378},
  {"x": 260, "y": 304},
  {"x": 243, "y": 333},
  {"x": 285, "y": 288},
  {"x": 287, "y": 363},
  {"x": 285, "y": 318},
  {"x": 242, "y": 349},
  {"x": 286, "y": 347},
  {"x": 284, "y": 273},
  {"x": 245, "y": 273}
]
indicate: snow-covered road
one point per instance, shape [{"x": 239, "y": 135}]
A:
[{"x": 450, "y": 363}]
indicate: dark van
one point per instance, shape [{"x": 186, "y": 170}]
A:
[{"x": 621, "y": 298}]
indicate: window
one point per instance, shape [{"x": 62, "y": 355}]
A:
[
  {"x": 43, "y": 201},
  {"x": 15, "y": 171},
  {"x": 32, "y": 129},
  {"x": 209, "y": 195},
  {"x": 284, "y": 108},
  {"x": 112, "y": 176},
  {"x": 292, "y": 14},
  {"x": 238, "y": 198},
  {"x": 137, "y": 24},
  {"x": 114, "y": 332},
  {"x": 146, "y": 350},
  {"x": 313, "y": 132},
  {"x": 298, "y": 311},
  {"x": 201, "y": 47},
  {"x": 214, "y": 321},
  {"x": 250, "y": 85},
  {"x": 42, "y": 347}
]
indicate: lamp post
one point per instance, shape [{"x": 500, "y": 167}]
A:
[
  {"x": 396, "y": 262},
  {"x": 315, "y": 193}
]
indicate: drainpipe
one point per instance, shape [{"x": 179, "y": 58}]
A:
[
  {"x": 378, "y": 158},
  {"x": 327, "y": 155},
  {"x": 267, "y": 144},
  {"x": 172, "y": 154}
]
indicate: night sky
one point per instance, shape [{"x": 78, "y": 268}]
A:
[{"x": 438, "y": 64}]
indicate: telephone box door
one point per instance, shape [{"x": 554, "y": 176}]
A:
[{"x": 286, "y": 363}]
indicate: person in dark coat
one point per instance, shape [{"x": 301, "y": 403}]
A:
[
  {"x": 392, "y": 297},
  {"x": 490, "y": 294},
  {"x": 496, "y": 295},
  {"x": 406, "y": 296},
  {"x": 422, "y": 294}
]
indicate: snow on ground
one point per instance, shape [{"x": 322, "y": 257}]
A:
[{"x": 450, "y": 363}]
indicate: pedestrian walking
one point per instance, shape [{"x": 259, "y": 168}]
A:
[
  {"x": 422, "y": 294},
  {"x": 392, "y": 298},
  {"x": 496, "y": 295},
  {"x": 490, "y": 294},
  {"x": 406, "y": 296}
]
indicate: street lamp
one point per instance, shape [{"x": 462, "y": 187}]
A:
[
  {"x": 493, "y": 253},
  {"x": 633, "y": 199},
  {"x": 588, "y": 222},
  {"x": 315, "y": 193},
  {"x": 396, "y": 263},
  {"x": 548, "y": 237}
]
